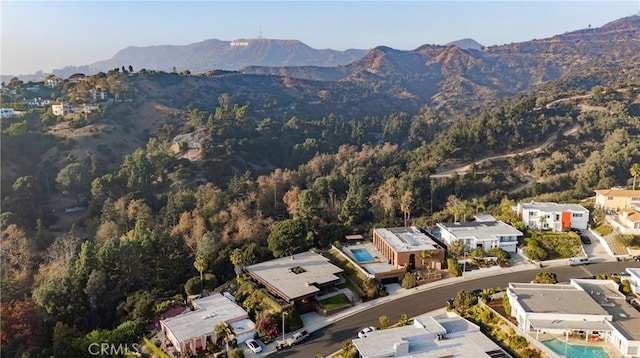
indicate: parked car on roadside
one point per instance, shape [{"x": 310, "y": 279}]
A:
[
  {"x": 363, "y": 332},
  {"x": 253, "y": 345}
]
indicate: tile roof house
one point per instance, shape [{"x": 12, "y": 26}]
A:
[{"x": 616, "y": 199}]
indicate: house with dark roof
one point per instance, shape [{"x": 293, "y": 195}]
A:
[{"x": 296, "y": 279}]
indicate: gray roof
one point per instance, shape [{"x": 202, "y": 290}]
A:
[
  {"x": 580, "y": 297},
  {"x": 485, "y": 230},
  {"x": 211, "y": 311},
  {"x": 465, "y": 342},
  {"x": 553, "y": 207},
  {"x": 404, "y": 239},
  {"x": 279, "y": 274},
  {"x": 563, "y": 299}
]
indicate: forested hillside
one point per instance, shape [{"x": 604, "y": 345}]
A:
[{"x": 178, "y": 175}]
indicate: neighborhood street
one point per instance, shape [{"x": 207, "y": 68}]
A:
[{"x": 329, "y": 339}]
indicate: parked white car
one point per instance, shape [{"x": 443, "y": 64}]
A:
[
  {"x": 363, "y": 332},
  {"x": 254, "y": 345}
]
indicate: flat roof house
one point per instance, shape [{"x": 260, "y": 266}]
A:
[
  {"x": 402, "y": 246},
  {"x": 595, "y": 307},
  {"x": 192, "y": 331},
  {"x": 634, "y": 279},
  {"x": 297, "y": 278},
  {"x": 441, "y": 335},
  {"x": 485, "y": 234},
  {"x": 616, "y": 199},
  {"x": 553, "y": 216}
]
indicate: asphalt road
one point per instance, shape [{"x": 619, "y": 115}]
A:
[{"x": 329, "y": 339}]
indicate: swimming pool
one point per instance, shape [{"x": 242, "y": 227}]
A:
[
  {"x": 575, "y": 351},
  {"x": 362, "y": 255}
]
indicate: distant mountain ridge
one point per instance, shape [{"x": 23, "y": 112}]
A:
[
  {"x": 436, "y": 74},
  {"x": 466, "y": 44},
  {"x": 228, "y": 55}
]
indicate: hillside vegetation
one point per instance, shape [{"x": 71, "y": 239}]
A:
[{"x": 178, "y": 175}]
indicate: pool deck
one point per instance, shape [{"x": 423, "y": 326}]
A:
[
  {"x": 379, "y": 264},
  {"x": 608, "y": 347}
]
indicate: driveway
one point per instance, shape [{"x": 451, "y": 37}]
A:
[{"x": 595, "y": 249}]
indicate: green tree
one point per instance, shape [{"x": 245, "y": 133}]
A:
[
  {"x": 73, "y": 177},
  {"x": 223, "y": 333},
  {"x": 635, "y": 173},
  {"x": 506, "y": 304},
  {"x": 546, "y": 277},
  {"x": 456, "y": 247},
  {"x": 464, "y": 300},
  {"x": 287, "y": 237}
]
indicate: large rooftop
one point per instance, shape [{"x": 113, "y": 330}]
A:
[
  {"x": 211, "y": 311},
  {"x": 553, "y": 207},
  {"x": 296, "y": 275},
  {"x": 463, "y": 339},
  {"x": 559, "y": 298},
  {"x": 404, "y": 239},
  {"x": 485, "y": 230},
  {"x": 580, "y": 297}
]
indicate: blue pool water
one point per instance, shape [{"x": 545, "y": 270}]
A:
[
  {"x": 575, "y": 351},
  {"x": 362, "y": 255}
]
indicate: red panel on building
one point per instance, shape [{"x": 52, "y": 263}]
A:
[{"x": 566, "y": 220}]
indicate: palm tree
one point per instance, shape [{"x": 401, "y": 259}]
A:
[
  {"x": 237, "y": 258},
  {"x": 424, "y": 255},
  {"x": 223, "y": 332},
  {"x": 200, "y": 264},
  {"x": 635, "y": 172},
  {"x": 405, "y": 205}
]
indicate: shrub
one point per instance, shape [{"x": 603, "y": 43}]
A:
[
  {"x": 625, "y": 287},
  {"x": 408, "y": 281},
  {"x": 624, "y": 239},
  {"x": 604, "y": 230},
  {"x": 454, "y": 267},
  {"x": 518, "y": 342},
  {"x": 506, "y": 304}
]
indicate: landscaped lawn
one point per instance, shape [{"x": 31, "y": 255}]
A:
[{"x": 336, "y": 301}]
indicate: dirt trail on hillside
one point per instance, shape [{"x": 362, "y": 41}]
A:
[{"x": 466, "y": 167}]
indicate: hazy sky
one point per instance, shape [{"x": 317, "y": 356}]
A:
[{"x": 52, "y": 34}]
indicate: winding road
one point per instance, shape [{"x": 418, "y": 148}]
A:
[{"x": 329, "y": 339}]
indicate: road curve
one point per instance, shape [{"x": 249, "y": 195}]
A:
[{"x": 329, "y": 339}]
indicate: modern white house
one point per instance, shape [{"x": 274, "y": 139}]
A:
[
  {"x": 634, "y": 279},
  {"x": 594, "y": 307},
  {"x": 193, "y": 330},
  {"x": 553, "y": 216},
  {"x": 439, "y": 334},
  {"x": 484, "y": 234}
]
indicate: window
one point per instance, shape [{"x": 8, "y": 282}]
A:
[
  {"x": 635, "y": 198},
  {"x": 609, "y": 197},
  {"x": 576, "y": 215}
]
